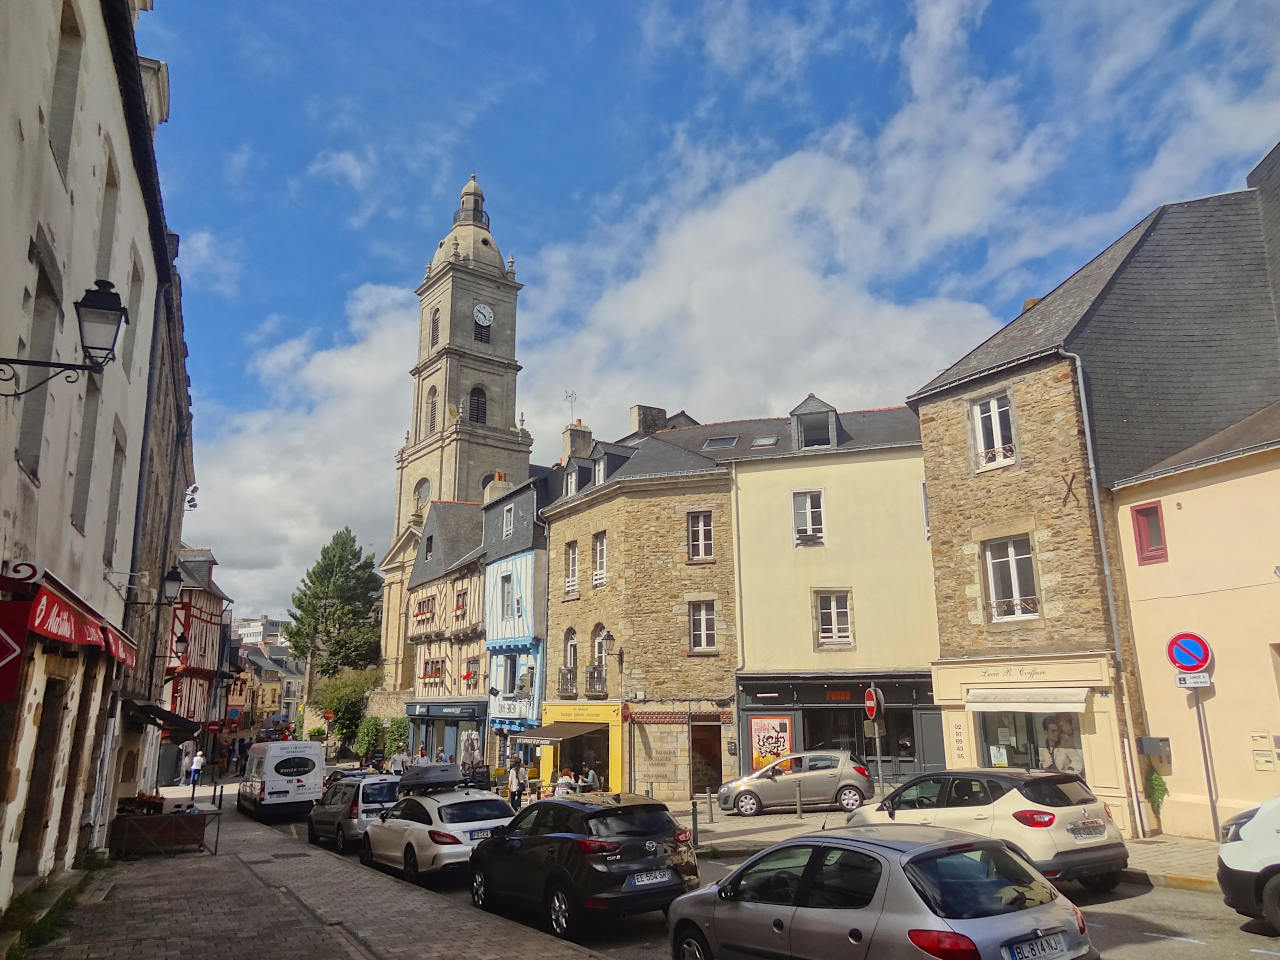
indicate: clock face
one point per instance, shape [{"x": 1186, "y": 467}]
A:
[{"x": 483, "y": 314}]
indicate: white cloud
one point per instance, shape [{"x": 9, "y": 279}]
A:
[
  {"x": 239, "y": 167},
  {"x": 264, "y": 331},
  {"x": 356, "y": 169},
  {"x": 207, "y": 260}
]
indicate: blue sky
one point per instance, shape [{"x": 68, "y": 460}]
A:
[{"x": 717, "y": 206}]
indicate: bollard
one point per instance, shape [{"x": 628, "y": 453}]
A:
[
  {"x": 711, "y": 808},
  {"x": 649, "y": 792},
  {"x": 799, "y": 812},
  {"x": 695, "y": 821}
]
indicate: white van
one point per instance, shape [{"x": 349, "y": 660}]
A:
[
  {"x": 1249, "y": 863},
  {"x": 284, "y": 777}
]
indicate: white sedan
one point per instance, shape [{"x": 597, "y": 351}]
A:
[{"x": 426, "y": 833}]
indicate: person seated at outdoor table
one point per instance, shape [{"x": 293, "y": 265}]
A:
[
  {"x": 565, "y": 784},
  {"x": 588, "y": 781}
]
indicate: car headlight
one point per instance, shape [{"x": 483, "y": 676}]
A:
[{"x": 1231, "y": 829}]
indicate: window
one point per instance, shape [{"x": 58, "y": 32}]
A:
[
  {"x": 700, "y": 536},
  {"x": 968, "y": 792},
  {"x": 508, "y": 520},
  {"x": 598, "y": 575},
  {"x": 571, "y": 567},
  {"x": 433, "y": 669},
  {"x": 775, "y": 877},
  {"x": 431, "y": 411},
  {"x": 972, "y": 884},
  {"x": 1011, "y": 579},
  {"x": 924, "y": 508},
  {"x": 807, "y": 509},
  {"x": 480, "y": 332},
  {"x": 84, "y": 460},
  {"x": 460, "y": 604},
  {"x": 113, "y": 503},
  {"x": 45, "y": 319},
  {"x": 702, "y": 625},
  {"x": 1148, "y": 533},
  {"x": 507, "y": 594},
  {"x": 571, "y": 482},
  {"x": 430, "y": 543},
  {"x": 426, "y": 608},
  {"x": 571, "y": 649},
  {"x": 600, "y": 471},
  {"x": 764, "y": 442},
  {"x": 1043, "y": 741},
  {"x": 833, "y": 618},
  {"x": 993, "y": 431},
  {"x": 421, "y": 493},
  {"x": 478, "y": 412},
  {"x": 921, "y": 795},
  {"x": 130, "y": 332},
  {"x": 815, "y": 430},
  {"x": 509, "y": 674},
  {"x": 473, "y": 668},
  {"x": 435, "y": 326},
  {"x": 720, "y": 443},
  {"x": 598, "y": 645},
  {"x": 66, "y": 77},
  {"x": 107, "y": 220},
  {"x": 821, "y": 763},
  {"x": 844, "y": 879}
]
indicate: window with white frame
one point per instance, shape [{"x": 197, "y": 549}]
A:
[
  {"x": 599, "y": 648},
  {"x": 570, "y": 482},
  {"x": 924, "y": 508},
  {"x": 507, "y": 593},
  {"x": 509, "y": 674},
  {"x": 598, "y": 575},
  {"x": 600, "y": 471},
  {"x": 571, "y": 649},
  {"x": 508, "y": 520},
  {"x": 700, "y": 547},
  {"x": 571, "y": 567},
  {"x": 806, "y": 507},
  {"x": 834, "y": 625},
  {"x": 702, "y": 625},
  {"x": 1011, "y": 579},
  {"x": 993, "y": 432}
]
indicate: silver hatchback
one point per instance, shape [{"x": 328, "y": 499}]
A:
[
  {"x": 348, "y": 807},
  {"x": 822, "y": 777},
  {"x": 893, "y": 891}
]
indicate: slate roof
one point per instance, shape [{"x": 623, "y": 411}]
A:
[
  {"x": 1257, "y": 432},
  {"x": 651, "y": 456},
  {"x": 455, "y": 528},
  {"x": 196, "y": 566},
  {"x": 678, "y": 419}
]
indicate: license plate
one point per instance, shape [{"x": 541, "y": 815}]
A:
[
  {"x": 1044, "y": 948},
  {"x": 277, "y": 793},
  {"x": 480, "y": 834},
  {"x": 653, "y": 876},
  {"x": 1082, "y": 829}
]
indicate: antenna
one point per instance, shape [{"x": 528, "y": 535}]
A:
[{"x": 570, "y": 398}]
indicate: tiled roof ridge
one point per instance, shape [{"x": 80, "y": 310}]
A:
[{"x": 725, "y": 423}]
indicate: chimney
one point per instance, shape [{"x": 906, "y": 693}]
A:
[
  {"x": 576, "y": 440},
  {"x": 498, "y": 486},
  {"x": 646, "y": 420},
  {"x": 1028, "y": 304}
]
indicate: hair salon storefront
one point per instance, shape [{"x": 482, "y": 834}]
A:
[
  {"x": 454, "y": 727},
  {"x": 783, "y": 714},
  {"x": 1053, "y": 712}
]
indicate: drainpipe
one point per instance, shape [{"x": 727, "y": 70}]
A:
[
  {"x": 1117, "y": 654},
  {"x": 742, "y": 629}
]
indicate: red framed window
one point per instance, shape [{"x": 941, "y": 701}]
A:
[{"x": 1148, "y": 533}]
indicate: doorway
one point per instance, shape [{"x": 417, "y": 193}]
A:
[
  {"x": 932, "y": 751},
  {"x": 705, "y": 771},
  {"x": 45, "y": 760}
]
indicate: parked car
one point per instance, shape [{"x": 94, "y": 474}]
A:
[
  {"x": 825, "y": 777},
  {"x": 429, "y": 832},
  {"x": 586, "y": 854},
  {"x": 282, "y": 777},
  {"x": 339, "y": 774},
  {"x": 347, "y": 808},
  {"x": 891, "y": 891},
  {"x": 1249, "y": 863},
  {"x": 1051, "y": 819}
]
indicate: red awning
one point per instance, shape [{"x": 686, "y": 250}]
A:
[
  {"x": 57, "y": 616},
  {"x": 120, "y": 646}
]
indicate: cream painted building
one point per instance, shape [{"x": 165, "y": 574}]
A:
[{"x": 1199, "y": 537}]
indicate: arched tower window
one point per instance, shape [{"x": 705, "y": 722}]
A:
[
  {"x": 422, "y": 493},
  {"x": 431, "y": 411},
  {"x": 435, "y": 326},
  {"x": 478, "y": 411},
  {"x": 487, "y": 479},
  {"x": 571, "y": 649},
  {"x": 597, "y": 644}
]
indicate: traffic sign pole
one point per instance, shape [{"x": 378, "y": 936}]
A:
[
  {"x": 1190, "y": 655},
  {"x": 879, "y": 741},
  {"x": 1204, "y": 754}
]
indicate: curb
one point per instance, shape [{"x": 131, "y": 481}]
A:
[{"x": 1174, "y": 881}]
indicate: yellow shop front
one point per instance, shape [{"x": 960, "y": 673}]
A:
[
  {"x": 574, "y": 734},
  {"x": 1053, "y": 712}
]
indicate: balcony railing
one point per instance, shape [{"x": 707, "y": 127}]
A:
[
  {"x": 1015, "y": 608},
  {"x": 597, "y": 682},
  {"x": 998, "y": 455},
  {"x": 568, "y": 685},
  {"x": 471, "y": 216},
  {"x": 599, "y": 578},
  {"x": 571, "y": 585}
]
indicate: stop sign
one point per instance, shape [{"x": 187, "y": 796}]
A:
[
  {"x": 214, "y": 726},
  {"x": 871, "y": 703},
  {"x": 328, "y": 714}
]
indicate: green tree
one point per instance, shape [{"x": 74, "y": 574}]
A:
[
  {"x": 346, "y": 695},
  {"x": 397, "y": 733},
  {"x": 336, "y": 621},
  {"x": 367, "y": 735}
]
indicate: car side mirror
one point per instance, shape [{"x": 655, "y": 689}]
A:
[
  {"x": 498, "y": 833},
  {"x": 727, "y": 892},
  {"x": 382, "y": 814}
]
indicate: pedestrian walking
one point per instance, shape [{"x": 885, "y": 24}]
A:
[
  {"x": 517, "y": 781},
  {"x": 399, "y": 760},
  {"x": 197, "y": 765},
  {"x": 186, "y": 769}
]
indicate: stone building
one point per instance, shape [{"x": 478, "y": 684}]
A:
[
  {"x": 642, "y": 624},
  {"x": 82, "y": 206},
  {"x": 1166, "y": 337},
  {"x": 463, "y": 429}
]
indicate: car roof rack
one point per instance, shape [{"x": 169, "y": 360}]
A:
[{"x": 431, "y": 778}]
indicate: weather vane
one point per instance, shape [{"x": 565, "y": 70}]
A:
[{"x": 571, "y": 398}]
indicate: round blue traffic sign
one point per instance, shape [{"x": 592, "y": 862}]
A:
[{"x": 1189, "y": 652}]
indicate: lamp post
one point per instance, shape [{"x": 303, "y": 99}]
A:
[{"x": 99, "y": 314}]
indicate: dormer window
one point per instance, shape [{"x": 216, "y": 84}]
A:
[
  {"x": 508, "y": 520},
  {"x": 427, "y": 548},
  {"x": 571, "y": 483},
  {"x": 719, "y": 443},
  {"x": 815, "y": 430},
  {"x": 600, "y": 471}
]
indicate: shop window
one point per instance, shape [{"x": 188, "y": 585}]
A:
[
  {"x": 1148, "y": 533},
  {"x": 1011, "y": 579},
  {"x": 1036, "y": 741}
]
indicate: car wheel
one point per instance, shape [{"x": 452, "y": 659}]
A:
[
  {"x": 480, "y": 896},
  {"x": 312, "y": 836},
  {"x": 410, "y": 870},
  {"x": 1271, "y": 903},
  {"x": 850, "y": 799},
  {"x": 366, "y": 852},
  {"x": 562, "y": 912},
  {"x": 689, "y": 944},
  {"x": 340, "y": 841},
  {"x": 747, "y": 804},
  {"x": 1102, "y": 882}
]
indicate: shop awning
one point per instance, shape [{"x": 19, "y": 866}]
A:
[
  {"x": 180, "y": 728},
  {"x": 1026, "y": 700},
  {"x": 557, "y": 732},
  {"x": 57, "y": 614}
]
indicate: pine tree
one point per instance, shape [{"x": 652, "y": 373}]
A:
[{"x": 336, "y": 609}]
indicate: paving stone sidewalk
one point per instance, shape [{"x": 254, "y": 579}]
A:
[{"x": 267, "y": 895}]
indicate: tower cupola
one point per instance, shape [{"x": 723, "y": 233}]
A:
[{"x": 469, "y": 242}]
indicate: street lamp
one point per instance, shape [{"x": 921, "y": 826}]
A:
[
  {"x": 172, "y": 587},
  {"x": 99, "y": 314}
]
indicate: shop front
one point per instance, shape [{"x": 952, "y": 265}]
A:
[
  {"x": 1057, "y": 712},
  {"x": 783, "y": 714},
  {"x": 450, "y": 726},
  {"x": 576, "y": 734}
]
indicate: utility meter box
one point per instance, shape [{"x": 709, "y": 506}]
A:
[{"x": 1154, "y": 746}]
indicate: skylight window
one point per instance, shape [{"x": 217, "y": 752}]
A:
[
  {"x": 719, "y": 443},
  {"x": 764, "y": 442}
]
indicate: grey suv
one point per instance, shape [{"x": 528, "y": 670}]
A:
[
  {"x": 348, "y": 807},
  {"x": 825, "y": 777}
]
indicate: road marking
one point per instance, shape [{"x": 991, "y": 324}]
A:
[
  {"x": 1269, "y": 953},
  {"x": 1095, "y": 924},
  {"x": 1165, "y": 936},
  {"x": 293, "y": 829}
]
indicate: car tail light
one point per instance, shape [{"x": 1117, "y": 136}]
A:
[
  {"x": 1035, "y": 818},
  {"x": 1107, "y": 807},
  {"x": 442, "y": 838},
  {"x": 683, "y": 836},
  {"x": 593, "y": 902},
  {"x": 1052, "y": 874},
  {"x": 587, "y": 845},
  {"x": 262, "y": 791},
  {"x": 353, "y": 811},
  {"x": 944, "y": 944},
  {"x": 1079, "y": 918},
  {"x": 861, "y": 771}
]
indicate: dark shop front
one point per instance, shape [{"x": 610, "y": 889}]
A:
[{"x": 778, "y": 715}]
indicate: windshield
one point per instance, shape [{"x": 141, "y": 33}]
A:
[
  {"x": 1056, "y": 792},
  {"x": 379, "y": 793},
  {"x": 631, "y": 822},
  {"x": 978, "y": 882},
  {"x": 471, "y": 811}
]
